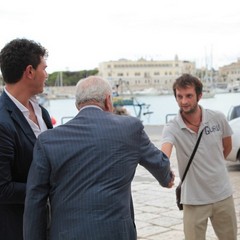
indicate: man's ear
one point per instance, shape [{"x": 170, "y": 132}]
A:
[
  {"x": 29, "y": 71},
  {"x": 108, "y": 104},
  {"x": 199, "y": 97}
]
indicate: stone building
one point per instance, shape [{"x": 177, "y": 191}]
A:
[
  {"x": 230, "y": 76},
  {"x": 144, "y": 74},
  {"x": 230, "y": 73}
]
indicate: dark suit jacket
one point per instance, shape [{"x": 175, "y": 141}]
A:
[
  {"x": 86, "y": 167},
  {"x": 16, "y": 146}
]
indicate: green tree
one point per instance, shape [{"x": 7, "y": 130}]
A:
[{"x": 70, "y": 78}]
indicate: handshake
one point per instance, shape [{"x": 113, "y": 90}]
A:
[{"x": 171, "y": 183}]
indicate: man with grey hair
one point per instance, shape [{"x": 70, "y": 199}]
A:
[
  {"x": 86, "y": 167},
  {"x": 94, "y": 91}
]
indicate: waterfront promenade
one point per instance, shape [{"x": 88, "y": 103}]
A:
[{"x": 156, "y": 214}]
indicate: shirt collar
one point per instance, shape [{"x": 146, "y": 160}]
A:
[
  {"x": 90, "y": 106},
  {"x": 21, "y": 107}
]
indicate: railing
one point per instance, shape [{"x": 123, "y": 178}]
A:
[
  {"x": 66, "y": 119},
  {"x": 170, "y": 115}
]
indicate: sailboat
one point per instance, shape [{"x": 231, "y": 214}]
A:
[
  {"x": 208, "y": 87},
  {"x": 59, "y": 84},
  {"x": 59, "y": 80},
  {"x": 208, "y": 90}
]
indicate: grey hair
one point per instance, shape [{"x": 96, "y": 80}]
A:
[{"x": 92, "y": 88}]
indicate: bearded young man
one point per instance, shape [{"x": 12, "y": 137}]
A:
[{"x": 206, "y": 190}]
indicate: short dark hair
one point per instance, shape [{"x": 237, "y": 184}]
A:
[
  {"x": 17, "y": 55},
  {"x": 187, "y": 80}
]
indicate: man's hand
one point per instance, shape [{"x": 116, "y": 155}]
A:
[{"x": 171, "y": 183}]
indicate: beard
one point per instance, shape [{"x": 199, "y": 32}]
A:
[{"x": 190, "y": 109}]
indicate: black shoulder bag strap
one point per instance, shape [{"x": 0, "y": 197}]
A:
[{"x": 192, "y": 156}]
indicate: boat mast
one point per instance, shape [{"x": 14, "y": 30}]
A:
[{"x": 59, "y": 80}]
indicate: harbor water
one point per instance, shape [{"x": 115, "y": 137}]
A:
[{"x": 155, "y": 109}]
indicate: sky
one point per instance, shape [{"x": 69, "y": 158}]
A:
[{"x": 79, "y": 34}]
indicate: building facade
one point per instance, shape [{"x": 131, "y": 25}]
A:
[
  {"x": 230, "y": 73},
  {"x": 144, "y": 74},
  {"x": 230, "y": 76}
]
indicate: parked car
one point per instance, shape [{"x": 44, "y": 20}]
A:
[
  {"x": 234, "y": 155},
  {"x": 234, "y": 112}
]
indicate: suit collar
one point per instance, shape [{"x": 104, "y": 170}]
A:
[
  {"x": 19, "y": 118},
  {"x": 46, "y": 117}
]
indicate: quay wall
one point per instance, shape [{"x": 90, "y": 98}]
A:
[{"x": 60, "y": 92}]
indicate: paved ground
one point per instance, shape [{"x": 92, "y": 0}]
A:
[{"x": 157, "y": 216}]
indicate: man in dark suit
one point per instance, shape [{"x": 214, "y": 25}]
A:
[
  {"x": 23, "y": 68},
  {"x": 86, "y": 167}
]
